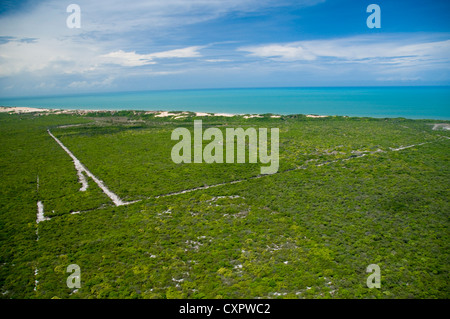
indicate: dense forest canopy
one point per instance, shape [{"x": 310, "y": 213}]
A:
[{"x": 349, "y": 192}]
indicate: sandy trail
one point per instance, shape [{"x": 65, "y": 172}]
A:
[
  {"x": 40, "y": 214},
  {"x": 353, "y": 156},
  {"x": 82, "y": 169},
  {"x": 36, "y": 271},
  {"x": 78, "y": 166},
  {"x": 118, "y": 202},
  {"x": 40, "y": 217},
  {"x": 199, "y": 188},
  {"x": 405, "y": 147}
]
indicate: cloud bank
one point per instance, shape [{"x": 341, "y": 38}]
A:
[{"x": 137, "y": 44}]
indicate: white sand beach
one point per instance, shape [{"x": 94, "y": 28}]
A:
[
  {"x": 19, "y": 109},
  {"x": 178, "y": 115}
]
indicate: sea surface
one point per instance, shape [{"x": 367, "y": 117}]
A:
[{"x": 407, "y": 102}]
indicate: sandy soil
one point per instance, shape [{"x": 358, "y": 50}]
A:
[
  {"x": 40, "y": 214},
  {"x": 82, "y": 169},
  {"x": 252, "y": 116},
  {"x": 22, "y": 109},
  {"x": 165, "y": 114},
  {"x": 19, "y": 109},
  {"x": 224, "y": 114},
  {"x": 443, "y": 126},
  {"x": 202, "y": 114},
  {"x": 316, "y": 116},
  {"x": 405, "y": 147}
]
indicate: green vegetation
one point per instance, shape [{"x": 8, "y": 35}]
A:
[{"x": 308, "y": 231}]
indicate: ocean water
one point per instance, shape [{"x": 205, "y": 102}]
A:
[{"x": 407, "y": 102}]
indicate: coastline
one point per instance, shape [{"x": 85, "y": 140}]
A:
[
  {"x": 182, "y": 114},
  {"x": 174, "y": 115}
]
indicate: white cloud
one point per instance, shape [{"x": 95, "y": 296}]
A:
[
  {"x": 48, "y": 17},
  {"x": 127, "y": 58},
  {"x": 37, "y": 40},
  {"x": 45, "y": 85},
  {"x": 118, "y": 15},
  {"x": 287, "y": 52},
  {"x": 390, "y": 58},
  {"x": 189, "y": 52},
  {"x": 399, "y": 78},
  {"x": 141, "y": 39},
  {"x": 355, "y": 49},
  {"x": 89, "y": 84},
  {"x": 47, "y": 57},
  {"x": 217, "y": 60},
  {"x": 134, "y": 59}
]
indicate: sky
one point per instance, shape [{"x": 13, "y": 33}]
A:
[{"x": 194, "y": 44}]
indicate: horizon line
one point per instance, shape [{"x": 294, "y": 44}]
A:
[{"x": 224, "y": 88}]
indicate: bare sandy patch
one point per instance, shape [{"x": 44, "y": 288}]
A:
[
  {"x": 316, "y": 116},
  {"x": 251, "y": 116},
  {"x": 166, "y": 114},
  {"x": 40, "y": 213},
  {"x": 224, "y": 114},
  {"x": 442, "y": 126},
  {"x": 20, "y": 109},
  {"x": 202, "y": 114},
  {"x": 405, "y": 147}
]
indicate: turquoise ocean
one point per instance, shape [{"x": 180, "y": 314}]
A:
[{"x": 407, "y": 102}]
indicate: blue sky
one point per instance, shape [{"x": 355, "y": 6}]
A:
[{"x": 183, "y": 44}]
